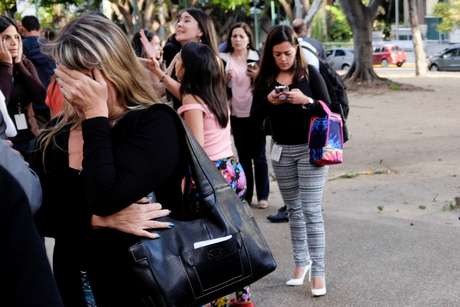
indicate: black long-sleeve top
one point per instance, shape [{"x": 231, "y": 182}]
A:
[
  {"x": 20, "y": 84},
  {"x": 143, "y": 152},
  {"x": 289, "y": 122}
]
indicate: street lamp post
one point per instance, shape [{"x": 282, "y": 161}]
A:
[{"x": 397, "y": 19}]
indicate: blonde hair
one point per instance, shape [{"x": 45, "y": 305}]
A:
[{"x": 93, "y": 41}]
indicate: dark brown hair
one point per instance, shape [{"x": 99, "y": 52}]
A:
[
  {"x": 268, "y": 68},
  {"x": 206, "y": 26},
  {"x": 247, "y": 30},
  {"x": 204, "y": 78}
]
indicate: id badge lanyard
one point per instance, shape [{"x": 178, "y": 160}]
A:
[{"x": 20, "y": 119}]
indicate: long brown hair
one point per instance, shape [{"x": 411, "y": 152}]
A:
[{"x": 268, "y": 68}]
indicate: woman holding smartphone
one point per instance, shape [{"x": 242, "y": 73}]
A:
[
  {"x": 241, "y": 68},
  {"x": 287, "y": 91}
]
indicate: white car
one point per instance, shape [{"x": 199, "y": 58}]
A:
[{"x": 340, "y": 58}]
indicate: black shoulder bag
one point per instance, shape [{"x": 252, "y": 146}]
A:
[{"x": 205, "y": 258}]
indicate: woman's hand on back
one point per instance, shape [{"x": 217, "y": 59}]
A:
[
  {"x": 88, "y": 95},
  {"x": 135, "y": 219}
]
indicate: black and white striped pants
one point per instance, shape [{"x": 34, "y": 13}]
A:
[{"x": 302, "y": 185}]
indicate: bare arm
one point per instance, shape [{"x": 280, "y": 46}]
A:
[{"x": 194, "y": 119}]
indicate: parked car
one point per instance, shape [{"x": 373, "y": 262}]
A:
[
  {"x": 340, "y": 58},
  {"x": 449, "y": 59},
  {"x": 389, "y": 54}
]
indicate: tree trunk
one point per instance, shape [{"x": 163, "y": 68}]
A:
[
  {"x": 287, "y": 8},
  {"x": 314, "y": 8},
  {"x": 361, "y": 17},
  {"x": 420, "y": 58},
  {"x": 298, "y": 8}
]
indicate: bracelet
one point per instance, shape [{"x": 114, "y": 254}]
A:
[
  {"x": 310, "y": 101},
  {"x": 162, "y": 77}
]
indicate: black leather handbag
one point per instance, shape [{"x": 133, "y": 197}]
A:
[{"x": 218, "y": 252}]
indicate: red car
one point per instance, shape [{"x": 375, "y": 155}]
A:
[{"x": 389, "y": 54}]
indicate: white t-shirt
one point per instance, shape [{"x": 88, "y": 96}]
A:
[
  {"x": 310, "y": 57},
  {"x": 10, "y": 129}
]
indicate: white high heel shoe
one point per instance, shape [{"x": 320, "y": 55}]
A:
[
  {"x": 299, "y": 281},
  {"x": 319, "y": 291}
]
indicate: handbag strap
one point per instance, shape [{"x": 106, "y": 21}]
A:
[{"x": 325, "y": 107}]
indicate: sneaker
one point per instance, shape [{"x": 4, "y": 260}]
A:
[{"x": 279, "y": 217}]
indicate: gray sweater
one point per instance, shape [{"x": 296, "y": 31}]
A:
[{"x": 14, "y": 163}]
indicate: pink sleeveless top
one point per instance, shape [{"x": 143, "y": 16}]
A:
[{"x": 217, "y": 140}]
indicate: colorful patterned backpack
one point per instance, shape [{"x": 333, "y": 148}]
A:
[{"x": 325, "y": 139}]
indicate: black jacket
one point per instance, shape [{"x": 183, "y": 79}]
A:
[
  {"x": 24, "y": 268},
  {"x": 43, "y": 63}
]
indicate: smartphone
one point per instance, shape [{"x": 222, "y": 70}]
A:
[
  {"x": 280, "y": 89},
  {"x": 252, "y": 65}
]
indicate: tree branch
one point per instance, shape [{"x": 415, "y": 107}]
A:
[
  {"x": 374, "y": 8},
  {"x": 314, "y": 8}
]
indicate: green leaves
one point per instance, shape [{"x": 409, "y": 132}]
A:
[
  {"x": 338, "y": 27},
  {"x": 449, "y": 13},
  {"x": 230, "y": 5}
]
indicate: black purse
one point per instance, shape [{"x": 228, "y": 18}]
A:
[{"x": 218, "y": 252}]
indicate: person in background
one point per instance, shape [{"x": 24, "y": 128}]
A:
[
  {"x": 154, "y": 47},
  {"x": 240, "y": 60},
  {"x": 20, "y": 85},
  {"x": 312, "y": 49},
  {"x": 206, "y": 111},
  {"x": 43, "y": 63},
  {"x": 288, "y": 92},
  {"x": 193, "y": 25},
  {"x": 154, "y": 41}
]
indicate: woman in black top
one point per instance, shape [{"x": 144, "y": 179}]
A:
[
  {"x": 112, "y": 147},
  {"x": 19, "y": 83},
  {"x": 287, "y": 91}
]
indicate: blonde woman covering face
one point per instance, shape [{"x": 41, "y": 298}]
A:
[{"x": 111, "y": 147}]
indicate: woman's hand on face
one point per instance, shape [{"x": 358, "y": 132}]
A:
[
  {"x": 18, "y": 59},
  {"x": 84, "y": 93},
  {"x": 295, "y": 96},
  {"x": 5, "y": 55},
  {"x": 135, "y": 219}
]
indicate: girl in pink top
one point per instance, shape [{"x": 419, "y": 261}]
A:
[{"x": 206, "y": 111}]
